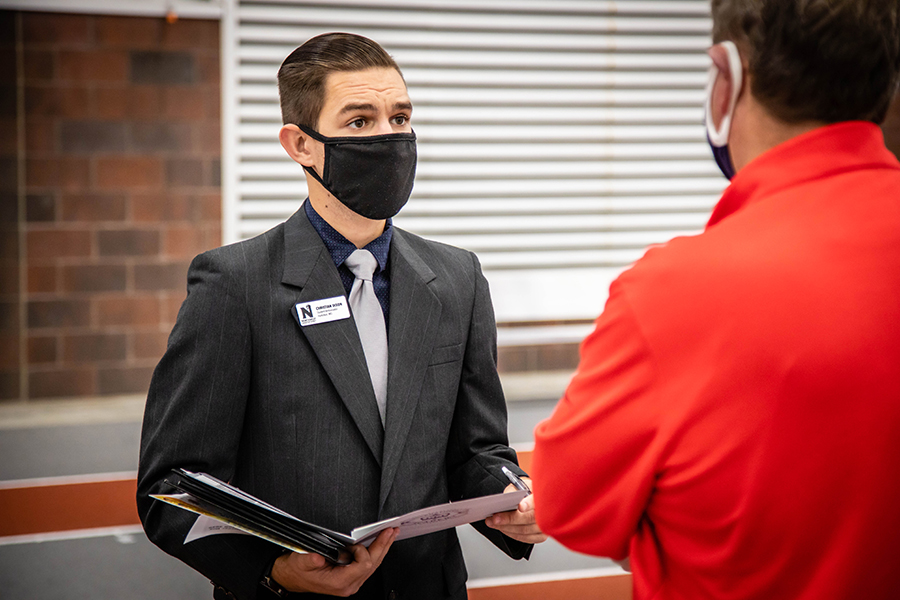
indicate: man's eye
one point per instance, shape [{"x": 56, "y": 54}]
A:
[
  {"x": 401, "y": 120},
  {"x": 358, "y": 123}
]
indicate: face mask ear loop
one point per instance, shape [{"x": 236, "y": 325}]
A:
[
  {"x": 319, "y": 179},
  {"x": 315, "y": 176},
  {"x": 312, "y": 133},
  {"x": 719, "y": 137},
  {"x": 319, "y": 138}
]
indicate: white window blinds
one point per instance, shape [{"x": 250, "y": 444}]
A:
[{"x": 556, "y": 139}]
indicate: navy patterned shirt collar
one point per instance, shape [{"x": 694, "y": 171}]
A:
[{"x": 340, "y": 247}]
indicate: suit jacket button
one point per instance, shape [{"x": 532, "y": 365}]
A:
[{"x": 393, "y": 595}]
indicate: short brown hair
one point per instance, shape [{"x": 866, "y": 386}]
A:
[
  {"x": 816, "y": 60},
  {"x": 301, "y": 78}
]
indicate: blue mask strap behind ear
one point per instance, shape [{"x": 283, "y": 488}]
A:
[{"x": 718, "y": 138}]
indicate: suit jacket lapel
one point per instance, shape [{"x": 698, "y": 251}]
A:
[
  {"x": 308, "y": 265},
  {"x": 415, "y": 313}
]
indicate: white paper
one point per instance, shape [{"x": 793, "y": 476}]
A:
[
  {"x": 444, "y": 516},
  {"x": 205, "y": 526}
]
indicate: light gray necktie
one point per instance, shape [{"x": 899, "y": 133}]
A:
[{"x": 369, "y": 322}]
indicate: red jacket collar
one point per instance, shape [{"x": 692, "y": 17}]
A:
[{"x": 824, "y": 151}]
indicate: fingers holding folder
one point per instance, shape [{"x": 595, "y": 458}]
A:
[
  {"x": 313, "y": 573},
  {"x": 518, "y": 524}
]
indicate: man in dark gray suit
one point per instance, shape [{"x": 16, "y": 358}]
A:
[{"x": 271, "y": 383}]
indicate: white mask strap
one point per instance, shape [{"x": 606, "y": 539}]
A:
[{"x": 719, "y": 137}]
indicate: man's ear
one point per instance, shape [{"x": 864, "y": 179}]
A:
[
  {"x": 297, "y": 144},
  {"x": 721, "y": 91}
]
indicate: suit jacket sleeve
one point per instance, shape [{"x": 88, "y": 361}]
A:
[
  {"x": 478, "y": 445},
  {"x": 194, "y": 418}
]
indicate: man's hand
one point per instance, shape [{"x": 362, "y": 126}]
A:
[
  {"x": 312, "y": 573},
  {"x": 518, "y": 524}
]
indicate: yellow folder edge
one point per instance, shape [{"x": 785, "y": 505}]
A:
[{"x": 181, "y": 502}]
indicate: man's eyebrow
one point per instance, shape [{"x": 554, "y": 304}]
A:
[
  {"x": 367, "y": 107},
  {"x": 355, "y": 107}
]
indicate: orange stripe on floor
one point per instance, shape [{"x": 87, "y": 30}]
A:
[
  {"x": 612, "y": 587},
  {"x": 43, "y": 508}
]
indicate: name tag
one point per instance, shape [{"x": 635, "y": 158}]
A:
[{"x": 322, "y": 311}]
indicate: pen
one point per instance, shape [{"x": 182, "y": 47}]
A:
[{"x": 515, "y": 480}]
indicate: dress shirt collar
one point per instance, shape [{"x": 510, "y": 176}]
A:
[{"x": 340, "y": 247}]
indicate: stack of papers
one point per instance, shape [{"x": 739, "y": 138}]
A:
[{"x": 223, "y": 503}]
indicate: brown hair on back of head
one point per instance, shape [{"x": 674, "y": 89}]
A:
[
  {"x": 816, "y": 60},
  {"x": 302, "y": 75}
]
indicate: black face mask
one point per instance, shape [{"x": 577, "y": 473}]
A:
[{"x": 372, "y": 175}]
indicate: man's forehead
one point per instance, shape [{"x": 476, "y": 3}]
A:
[{"x": 345, "y": 89}]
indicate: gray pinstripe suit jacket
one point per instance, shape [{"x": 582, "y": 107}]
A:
[{"x": 288, "y": 413}]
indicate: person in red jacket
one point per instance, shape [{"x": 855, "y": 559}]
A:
[{"x": 733, "y": 427}]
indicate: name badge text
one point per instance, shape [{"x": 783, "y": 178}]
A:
[{"x": 322, "y": 311}]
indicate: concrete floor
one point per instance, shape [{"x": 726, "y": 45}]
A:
[{"x": 123, "y": 564}]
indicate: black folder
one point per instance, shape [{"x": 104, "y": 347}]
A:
[
  {"x": 222, "y": 501},
  {"x": 205, "y": 495}
]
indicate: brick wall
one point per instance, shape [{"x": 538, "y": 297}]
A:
[
  {"x": 538, "y": 357},
  {"x": 10, "y": 330},
  {"x": 120, "y": 161}
]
